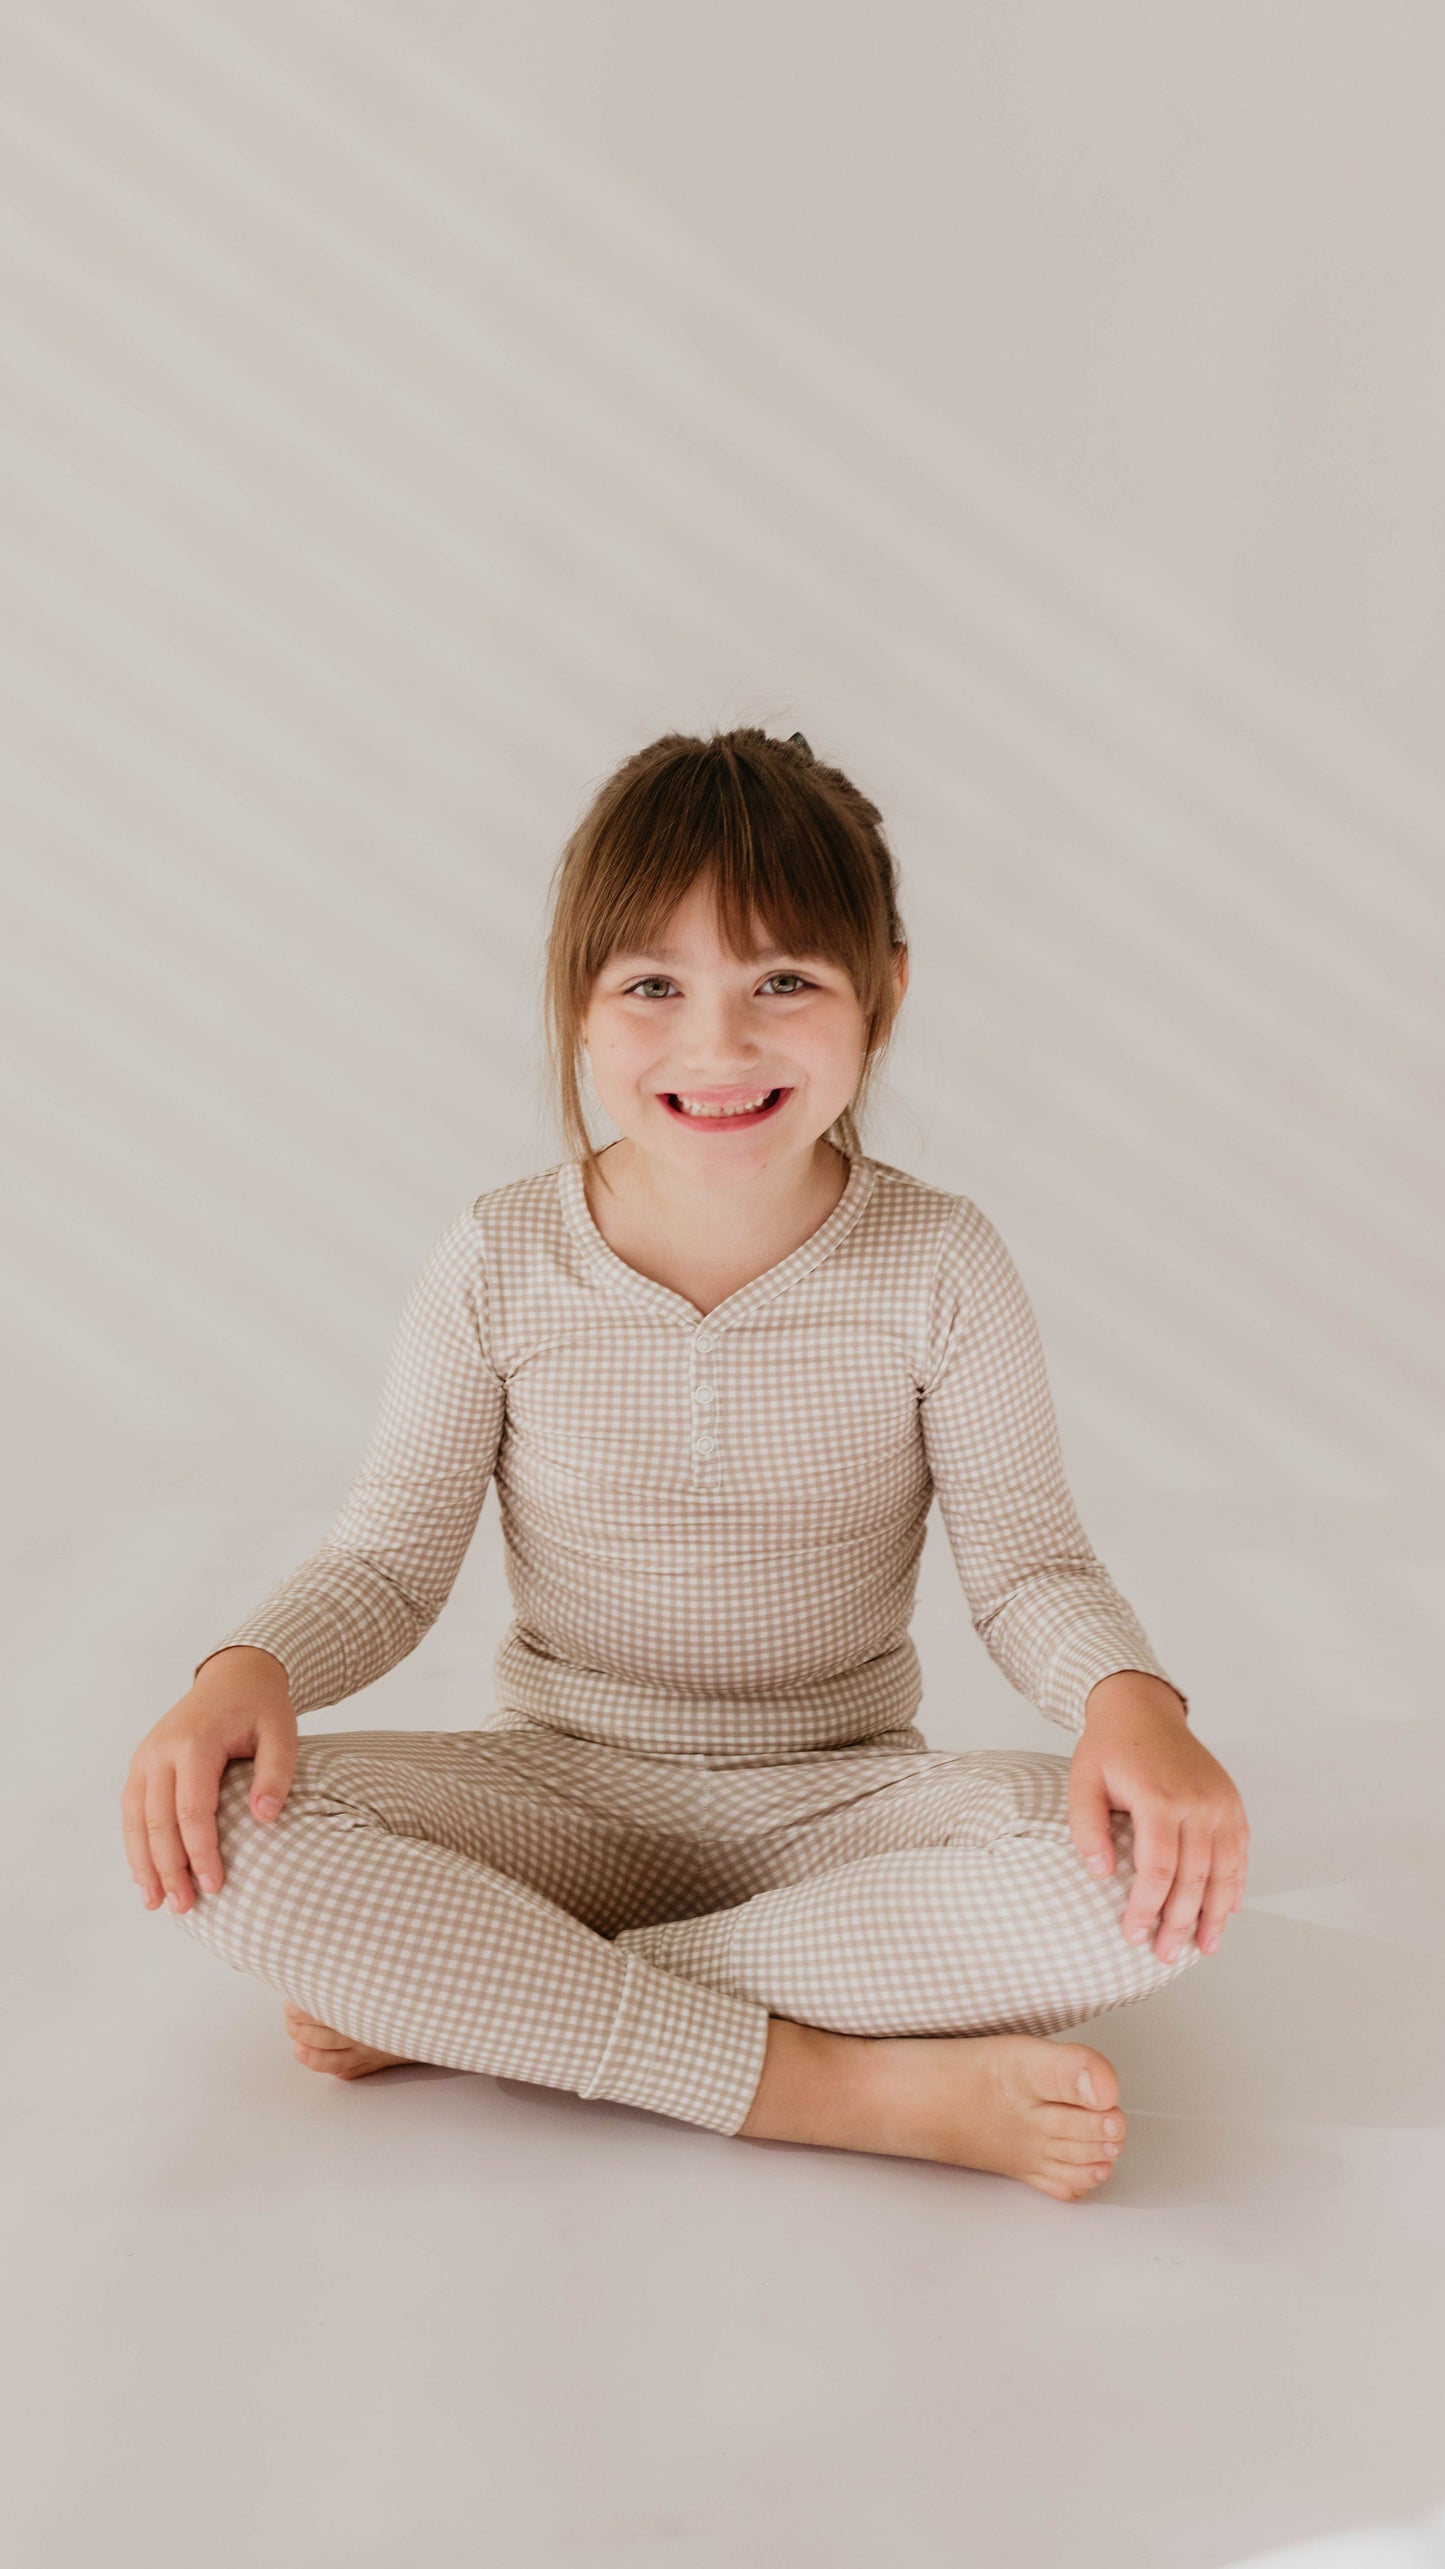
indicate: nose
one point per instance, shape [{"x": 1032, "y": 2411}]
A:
[{"x": 717, "y": 1043}]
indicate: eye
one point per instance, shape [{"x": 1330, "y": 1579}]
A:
[{"x": 652, "y": 979}]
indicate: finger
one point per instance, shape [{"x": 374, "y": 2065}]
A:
[
  {"x": 1089, "y": 1827},
  {"x": 198, "y": 1783},
  {"x": 1217, "y": 1904},
  {"x": 1156, "y": 1855},
  {"x": 137, "y": 1844},
  {"x": 266, "y": 1797},
  {"x": 1191, "y": 1880},
  {"x": 1243, "y": 1874},
  {"x": 168, "y": 1853},
  {"x": 274, "y": 1767}
]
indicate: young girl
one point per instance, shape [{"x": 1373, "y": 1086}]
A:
[{"x": 701, "y": 1859}]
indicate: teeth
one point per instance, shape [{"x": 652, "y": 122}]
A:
[{"x": 749, "y": 1106}]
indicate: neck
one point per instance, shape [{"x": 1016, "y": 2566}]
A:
[{"x": 712, "y": 1222}]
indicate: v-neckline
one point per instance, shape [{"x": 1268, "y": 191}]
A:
[{"x": 613, "y": 1270}]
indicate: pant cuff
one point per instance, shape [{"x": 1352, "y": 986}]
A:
[{"x": 678, "y": 2047}]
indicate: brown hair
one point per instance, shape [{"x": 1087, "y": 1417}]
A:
[{"x": 785, "y": 840}]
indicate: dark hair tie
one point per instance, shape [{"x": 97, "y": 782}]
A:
[{"x": 795, "y": 739}]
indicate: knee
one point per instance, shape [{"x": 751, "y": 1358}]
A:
[
  {"x": 244, "y": 1841},
  {"x": 1115, "y": 1888},
  {"x": 259, "y": 1859},
  {"x": 234, "y": 1816}
]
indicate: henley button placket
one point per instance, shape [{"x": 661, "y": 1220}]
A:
[{"x": 703, "y": 1394}]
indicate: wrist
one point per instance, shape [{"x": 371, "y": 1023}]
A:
[
  {"x": 245, "y": 1660},
  {"x": 1134, "y": 1691}
]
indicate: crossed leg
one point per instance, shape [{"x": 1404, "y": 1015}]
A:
[
  {"x": 936, "y": 1907},
  {"x": 801, "y": 1936},
  {"x": 452, "y": 1896}
]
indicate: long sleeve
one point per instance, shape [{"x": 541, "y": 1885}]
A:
[
  {"x": 378, "y": 1580},
  {"x": 1041, "y": 1601}
]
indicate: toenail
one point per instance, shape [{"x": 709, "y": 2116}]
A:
[{"x": 1111, "y": 2125}]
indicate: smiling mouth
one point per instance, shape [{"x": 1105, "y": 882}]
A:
[{"x": 711, "y": 1120}]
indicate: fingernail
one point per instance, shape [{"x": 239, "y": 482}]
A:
[
  {"x": 1098, "y": 1864},
  {"x": 210, "y": 1882},
  {"x": 267, "y": 1809},
  {"x": 172, "y": 1900},
  {"x": 1086, "y": 2088}
]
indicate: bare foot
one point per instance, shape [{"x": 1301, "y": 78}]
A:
[
  {"x": 321, "y": 2047},
  {"x": 1008, "y": 2103}
]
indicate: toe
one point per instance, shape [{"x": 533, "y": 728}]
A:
[
  {"x": 1072, "y": 2183},
  {"x": 1075, "y": 2062},
  {"x": 1076, "y": 2123}
]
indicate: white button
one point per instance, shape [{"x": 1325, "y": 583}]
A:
[
  {"x": 703, "y": 1444},
  {"x": 703, "y": 1393}
]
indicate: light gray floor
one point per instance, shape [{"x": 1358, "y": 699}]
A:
[{"x": 261, "y": 2315}]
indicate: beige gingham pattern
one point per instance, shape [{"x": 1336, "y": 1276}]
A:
[
  {"x": 713, "y": 1524},
  {"x": 620, "y": 1924},
  {"x": 702, "y": 1796}
]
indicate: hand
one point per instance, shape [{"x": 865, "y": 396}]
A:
[
  {"x": 1136, "y": 1753},
  {"x": 238, "y": 1706}
]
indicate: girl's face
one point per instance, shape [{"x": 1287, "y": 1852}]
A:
[{"x": 687, "y": 1022}]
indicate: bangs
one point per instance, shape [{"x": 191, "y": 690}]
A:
[{"x": 770, "y": 859}]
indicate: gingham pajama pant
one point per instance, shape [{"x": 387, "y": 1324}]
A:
[{"x": 537, "y": 1906}]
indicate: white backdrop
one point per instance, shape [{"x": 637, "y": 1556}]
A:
[
  {"x": 412, "y": 410},
  {"x": 408, "y": 411}
]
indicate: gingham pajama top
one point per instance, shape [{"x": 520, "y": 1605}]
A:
[{"x": 713, "y": 1523}]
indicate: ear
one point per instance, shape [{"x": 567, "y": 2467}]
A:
[{"x": 900, "y": 967}]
